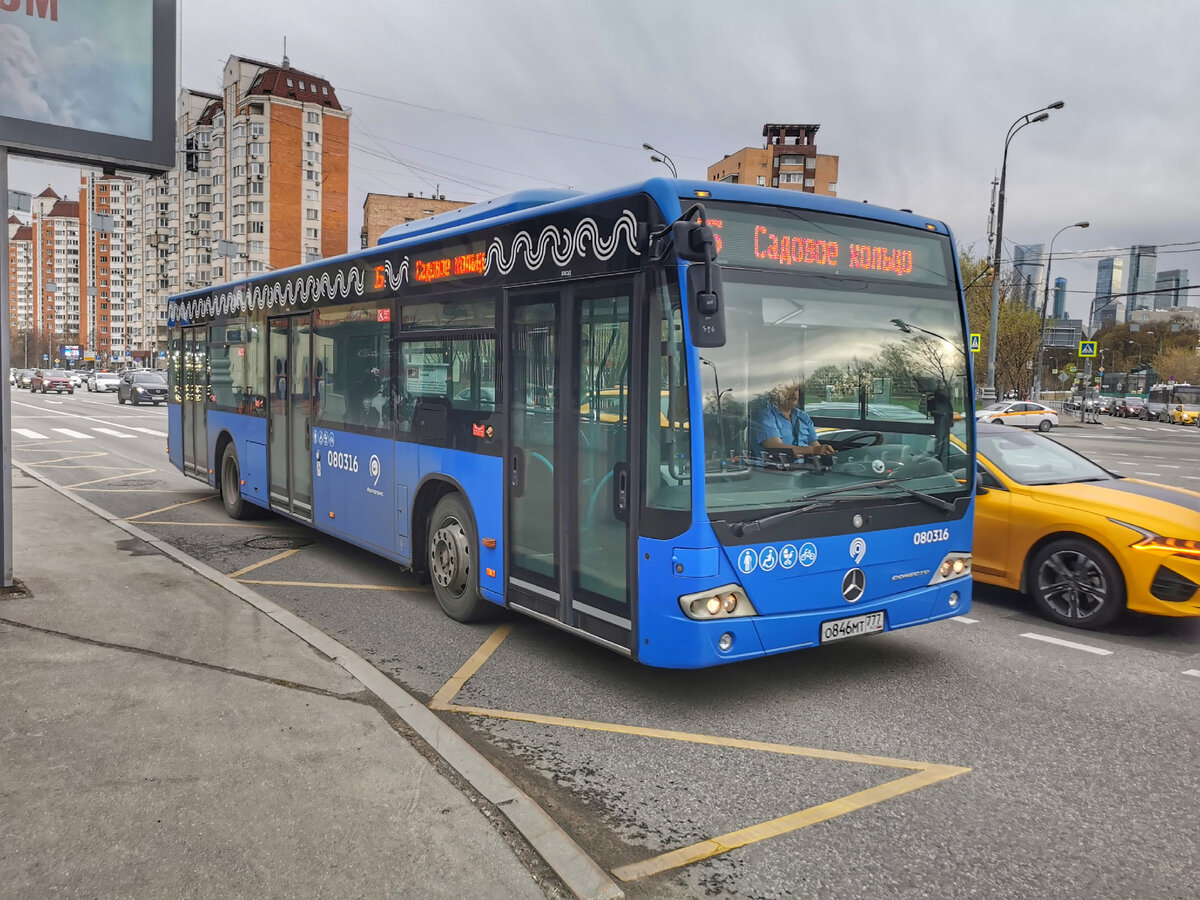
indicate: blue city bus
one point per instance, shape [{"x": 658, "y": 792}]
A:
[{"x": 554, "y": 402}]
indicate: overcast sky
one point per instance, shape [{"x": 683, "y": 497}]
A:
[{"x": 476, "y": 98}]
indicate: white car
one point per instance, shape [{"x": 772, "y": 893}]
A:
[
  {"x": 1018, "y": 412},
  {"x": 103, "y": 381}
]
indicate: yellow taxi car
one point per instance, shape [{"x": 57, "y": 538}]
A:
[
  {"x": 1182, "y": 415},
  {"x": 1082, "y": 543}
]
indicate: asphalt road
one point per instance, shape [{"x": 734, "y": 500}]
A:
[{"x": 969, "y": 758}]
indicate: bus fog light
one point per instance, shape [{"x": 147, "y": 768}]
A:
[
  {"x": 954, "y": 599},
  {"x": 725, "y": 641}
]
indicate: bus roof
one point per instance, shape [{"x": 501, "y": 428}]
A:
[{"x": 673, "y": 196}]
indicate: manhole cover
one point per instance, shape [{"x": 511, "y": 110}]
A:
[{"x": 275, "y": 542}]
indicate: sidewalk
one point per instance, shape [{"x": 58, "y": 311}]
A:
[{"x": 166, "y": 732}]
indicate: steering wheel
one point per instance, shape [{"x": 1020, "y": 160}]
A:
[{"x": 855, "y": 440}]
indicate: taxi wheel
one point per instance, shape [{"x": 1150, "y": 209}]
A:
[
  {"x": 1045, "y": 425},
  {"x": 1075, "y": 582},
  {"x": 451, "y": 553}
]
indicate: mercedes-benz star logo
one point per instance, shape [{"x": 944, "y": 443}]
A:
[{"x": 853, "y": 585}]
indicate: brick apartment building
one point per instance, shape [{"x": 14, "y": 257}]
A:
[{"x": 788, "y": 159}]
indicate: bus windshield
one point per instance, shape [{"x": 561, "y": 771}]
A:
[{"x": 879, "y": 368}]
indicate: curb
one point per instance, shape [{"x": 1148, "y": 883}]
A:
[{"x": 578, "y": 871}]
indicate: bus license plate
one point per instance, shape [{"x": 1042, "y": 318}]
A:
[{"x": 839, "y": 629}]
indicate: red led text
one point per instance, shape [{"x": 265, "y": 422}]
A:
[
  {"x": 789, "y": 250},
  {"x": 881, "y": 259},
  {"x": 437, "y": 269}
]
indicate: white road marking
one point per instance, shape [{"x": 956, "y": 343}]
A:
[
  {"x": 964, "y": 619},
  {"x": 109, "y": 431},
  {"x": 150, "y": 431},
  {"x": 78, "y": 435},
  {"x": 1099, "y": 651},
  {"x": 1165, "y": 466},
  {"x": 1195, "y": 673},
  {"x": 32, "y": 435}
]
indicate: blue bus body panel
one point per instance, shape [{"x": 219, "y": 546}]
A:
[
  {"x": 794, "y": 586},
  {"x": 249, "y": 434},
  {"x": 175, "y": 434}
]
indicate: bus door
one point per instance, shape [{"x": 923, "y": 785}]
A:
[
  {"x": 570, "y": 496},
  {"x": 289, "y": 422},
  {"x": 193, "y": 391}
]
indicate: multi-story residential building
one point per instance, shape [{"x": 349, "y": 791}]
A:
[
  {"x": 1107, "y": 307},
  {"x": 788, "y": 159},
  {"x": 382, "y": 211},
  {"x": 1171, "y": 288},
  {"x": 1029, "y": 273},
  {"x": 44, "y": 278},
  {"x": 21, "y": 269},
  {"x": 1140, "y": 276},
  {"x": 110, "y": 321}
]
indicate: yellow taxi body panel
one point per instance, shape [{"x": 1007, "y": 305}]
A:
[{"x": 1013, "y": 520}]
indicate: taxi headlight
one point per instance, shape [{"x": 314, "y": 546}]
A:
[
  {"x": 726, "y": 602},
  {"x": 953, "y": 565},
  {"x": 1149, "y": 540}
]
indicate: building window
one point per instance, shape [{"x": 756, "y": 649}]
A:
[
  {"x": 312, "y": 117},
  {"x": 810, "y": 162},
  {"x": 810, "y": 182},
  {"x": 256, "y": 206},
  {"x": 311, "y": 233},
  {"x": 791, "y": 177},
  {"x": 312, "y": 136},
  {"x": 312, "y": 215},
  {"x": 762, "y": 180},
  {"x": 258, "y": 228}
]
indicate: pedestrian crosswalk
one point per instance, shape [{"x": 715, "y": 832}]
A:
[{"x": 57, "y": 433}]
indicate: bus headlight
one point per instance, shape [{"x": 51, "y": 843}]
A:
[
  {"x": 726, "y": 602},
  {"x": 954, "y": 565}
]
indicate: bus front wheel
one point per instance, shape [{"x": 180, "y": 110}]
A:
[
  {"x": 453, "y": 565},
  {"x": 235, "y": 504}
]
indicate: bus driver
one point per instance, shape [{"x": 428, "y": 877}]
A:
[{"x": 782, "y": 425}]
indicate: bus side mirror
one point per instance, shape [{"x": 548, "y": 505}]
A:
[{"x": 705, "y": 310}]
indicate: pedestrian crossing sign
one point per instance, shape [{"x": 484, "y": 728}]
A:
[
  {"x": 974, "y": 343},
  {"x": 1087, "y": 348}
]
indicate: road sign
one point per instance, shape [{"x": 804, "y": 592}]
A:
[
  {"x": 975, "y": 343},
  {"x": 1072, "y": 368},
  {"x": 1087, "y": 348}
]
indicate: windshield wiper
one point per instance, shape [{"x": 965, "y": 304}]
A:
[{"x": 754, "y": 526}]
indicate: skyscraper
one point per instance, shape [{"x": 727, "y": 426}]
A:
[
  {"x": 1030, "y": 271},
  {"x": 1139, "y": 276},
  {"x": 1109, "y": 281},
  {"x": 1172, "y": 289},
  {"x": 1060, "y": 298}
]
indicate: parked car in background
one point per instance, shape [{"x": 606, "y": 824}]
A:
[
  {"x": 46, "y": 380},
  {"x": 1128, "y": 408},
  {"x": 1025, "y": 413},
  {"x": 103, "y": 381},
  {"x": 1082, "y": 543},
  {"x": 142, "y": 386}
]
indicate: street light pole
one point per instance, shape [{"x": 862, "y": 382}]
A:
[
  {"x": 1037, "y": 388},
  {"x": 662, "y": 158},
  {"x": 1038, "y": 115}
]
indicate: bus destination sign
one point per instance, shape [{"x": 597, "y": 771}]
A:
[{"x": 763, "y": 237}]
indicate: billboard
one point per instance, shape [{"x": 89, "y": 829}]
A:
[{"x": 87, "y": 82}]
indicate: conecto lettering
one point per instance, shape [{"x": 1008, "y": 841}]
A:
[{"x": 32, "y": 7}]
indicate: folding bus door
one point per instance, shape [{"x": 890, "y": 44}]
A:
[
  {"x": 573, "y": 386},
  {"x": 289, "y": 420},
  {"x": 193, "y": 392}
]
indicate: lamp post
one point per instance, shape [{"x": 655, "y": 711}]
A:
[
  {"x": 662, "y": 158},
  {"x": 1038, "y": 115},
  {"x": 1037, "y": 390}
]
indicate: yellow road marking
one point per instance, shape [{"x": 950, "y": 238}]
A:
[
  {"x": 266, "y": 562},
  {"x": 441, "y": 700},
  {"x": 128, "y": 473},
  {"x": 814, "y": 814},
  {"x": 171, "y": 507},
  {"x": 924, "y": 773},
  {"x": 324, "y": 584}
]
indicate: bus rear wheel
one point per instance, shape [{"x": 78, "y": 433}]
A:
[
  {"x": 235, "y": 504},
  {"x": 452, "y": 558}
]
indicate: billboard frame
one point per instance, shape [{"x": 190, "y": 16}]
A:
[{"x": 78, "y": 146}]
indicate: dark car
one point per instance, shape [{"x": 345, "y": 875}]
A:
[
  {"x": 1128, "y": 407},
  {"x": 142, "y": 386},
  {"x": 23, "y": 378},
  {"x": 46, "y": 380}
]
